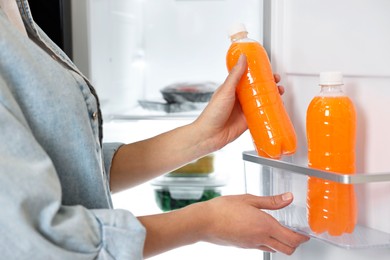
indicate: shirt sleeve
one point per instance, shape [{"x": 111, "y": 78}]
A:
[
  {"x": 33, "y": 222},
  {"x": 109, "y": 150}
]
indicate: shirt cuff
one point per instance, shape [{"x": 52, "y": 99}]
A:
[{"x": 123, "y": 236}]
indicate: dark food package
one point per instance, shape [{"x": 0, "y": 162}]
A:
[
  {"x": 166, "y": 202},
  {"x": 189, "y": 92}
]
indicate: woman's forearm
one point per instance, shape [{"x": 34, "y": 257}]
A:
[
  {"x": 173, "y": 229},
  {"x": 141, "y": 161}
]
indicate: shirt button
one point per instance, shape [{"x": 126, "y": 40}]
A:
[{"x": 94, "y": 115}]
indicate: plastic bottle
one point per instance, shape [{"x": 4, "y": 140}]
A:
[
  {"x": 331, "y": 134},
  {"x": 269, "y": 124}
]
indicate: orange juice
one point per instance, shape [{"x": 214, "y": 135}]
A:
[
  {"x": 331, "y": 134},
  {"x": 269, "y": 124}
]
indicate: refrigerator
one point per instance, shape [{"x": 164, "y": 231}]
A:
[
  {"x": 304, "y": 38},
  {"x": 131, "y": 49}
]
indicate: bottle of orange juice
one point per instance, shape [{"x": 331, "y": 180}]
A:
[
  {"x": 269, "y": 124},
  {"x": 331, "y": 134}
]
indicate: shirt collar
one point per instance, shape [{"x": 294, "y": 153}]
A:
[{"x": 25, "y": 12}]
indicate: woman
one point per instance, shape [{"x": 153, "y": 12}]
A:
[{"x": 57, "y": 175}]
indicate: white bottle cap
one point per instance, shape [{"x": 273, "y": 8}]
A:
[
  {"x": 237, "y": 28},
  {"x": 331, "y": 78}
]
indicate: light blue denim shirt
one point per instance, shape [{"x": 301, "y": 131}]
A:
[{"x": 54, "y": 185}]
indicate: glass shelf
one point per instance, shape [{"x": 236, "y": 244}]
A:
[
  {"x": 266, "y": 177},
  {"x": 139, "y": 113},
  {"x": 357, "y": 178},
  {"x": 294, "y": 217}
]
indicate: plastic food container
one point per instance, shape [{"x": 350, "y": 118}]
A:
[
  {"x": 202, "y": 166},
  {"x": 177, "y": 192},
  {"x": 188, "y": 92},
  {"x": 164, "y": 106}
]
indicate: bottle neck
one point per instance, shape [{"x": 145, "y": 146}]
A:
[
  {"x": 239, "y": 36},
  {"x": 332, "y": 90}
]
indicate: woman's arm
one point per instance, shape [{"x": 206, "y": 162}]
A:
[{"x": 228, "y": 220}]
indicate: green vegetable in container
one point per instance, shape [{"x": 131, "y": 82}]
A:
[{"x": 167, "y": 203}]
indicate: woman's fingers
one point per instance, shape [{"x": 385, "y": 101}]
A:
[
  {"x": 281, "y": 90},
  {"x": 280, "y": 247},
  {"x": 266, "y": 249},
  {"x": 286, "y": 240},
  {"x": 281, "y": 238},
  {"x": 289, "y": 237},
  {"x": 277, "y": 78}
]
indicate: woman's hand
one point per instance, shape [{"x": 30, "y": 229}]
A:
[
  {"x": 222, "y": 121},
  {"x": 238, "y": 221}
]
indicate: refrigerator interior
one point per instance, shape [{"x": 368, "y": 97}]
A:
[
  {"x": 305, "y": 38},
  {"x": 131, "y": 49}
]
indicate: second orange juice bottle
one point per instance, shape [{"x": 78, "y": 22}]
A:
[
  {"x": 331, "y": 134},
  {"x": 269, "y": 124}
]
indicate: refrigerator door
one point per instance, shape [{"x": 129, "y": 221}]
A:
[{"x": 305, "y": 38}]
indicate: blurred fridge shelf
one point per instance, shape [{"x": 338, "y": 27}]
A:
[
  {"x": 139, "y": 113},
  {"x": 270, "y": 177}
]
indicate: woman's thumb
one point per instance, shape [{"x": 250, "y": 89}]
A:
[
  {"x": 237, "y": 71},
  {"x": 275, "y": 202}
]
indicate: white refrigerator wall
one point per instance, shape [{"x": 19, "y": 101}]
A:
[
  {"x": 351, "y": 36},
  {"x": 131, "y": 49}
]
